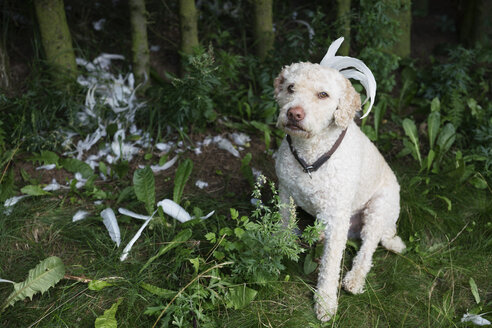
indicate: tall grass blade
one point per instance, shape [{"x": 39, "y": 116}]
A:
[{"x": 182, "y": 236}]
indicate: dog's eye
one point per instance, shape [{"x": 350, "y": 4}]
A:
[
  {"x": 290, "y": 88},
  {"x": 323, "y": 95}
]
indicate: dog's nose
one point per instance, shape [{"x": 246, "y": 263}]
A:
[{"x": 296, "y": 114}]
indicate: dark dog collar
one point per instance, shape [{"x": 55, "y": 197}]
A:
[{"x": 320, "y": 161}]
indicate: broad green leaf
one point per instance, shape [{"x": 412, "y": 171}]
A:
[
  {"x": 240, "y": 296},
  {"x": 433, "y": 123},
  {"x": 161, "y": 292},
  {"x": 108, "y": 319},
  {"x": 309, "y": 264},
  {"x": 32, "y": 190},
  {"x": 411, "y": 131},
  {"x": 446, "y": 138},
  {"x": 98, "y": 285},
  {"x": 430, "y": 159},
  {"x": 144, "y": 187},
  {"x": 74, "y": 165},
  {"x": 435, "y": 105},
  {"x": 182, "y": 236},
  {"x": 182, "y": 175},
  {"x": 41, "y": 278},
  {"x": 474, "y": 290}
]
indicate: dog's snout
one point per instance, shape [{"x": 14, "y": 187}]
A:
[{"x": 296, "y": 114}]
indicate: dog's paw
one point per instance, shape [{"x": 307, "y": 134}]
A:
[
  {"x": 325, "y": 308},
  {"x": 353, "y": 283}
]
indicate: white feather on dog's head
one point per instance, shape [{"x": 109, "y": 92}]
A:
[{"x": 359, "y": 71}]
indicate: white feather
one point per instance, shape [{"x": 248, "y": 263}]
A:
[
  {"x": 177, "y": 212},
  {"x": 476, "y": 319},
  {"x": 129, "y": 246},
  {"x": 80, "y": 215},
  {"x": 168, "y": 164},
  {"x": 5, "y": 280},
  {"x": 109, "y": 220},
  {"x": 359, "y": 72},
  {"x": 174, "y": 210},
  {"x": 131, "y": 214}
]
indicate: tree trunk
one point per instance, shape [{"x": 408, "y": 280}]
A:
[
  {"x": 263, "y": 28},
  {"x": 474, "y": 23},
  {"x": 188, "y": 26},
  {"x": 55, "y": 37},
  {"x": 4, "y": 67},
  {"x": 421, "y": 7},
  {"x": 402, "y": 47},
  {"x": 140, "y": 46},
  {"x": 343, "y": 17}
]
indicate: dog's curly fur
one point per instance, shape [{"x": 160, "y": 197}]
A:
[{"x": 316, "y": 105}]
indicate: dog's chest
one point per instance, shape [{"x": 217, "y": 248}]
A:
[{"x": 308, "y": 191}]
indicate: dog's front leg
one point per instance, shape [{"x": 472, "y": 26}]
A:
[{"x": 337, "y": 226}]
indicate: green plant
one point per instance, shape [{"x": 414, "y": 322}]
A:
[
  {"x": 41, "y": 278},
  {"x": 183, "y": 173},
  {"x": 441, "y": 137}
]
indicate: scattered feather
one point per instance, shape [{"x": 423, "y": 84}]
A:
[
  {"x": 99, "y": 25},
  {"x": 109, "y": 220},
  {"x": 475, "y": 319},
  {"x": 165, "y": 166},
  {"x": 227, "y": 145},
  {"x": 129, "y": 246},
  {"x": 54, "y": 185},
  {"x": 80, "y": 215},
  {"x": 46, "y": 167},
  {"x": 240, "y": 139},
  {"x": 5, "y": 280},
  {"x": 201, "y": 184},
  {"x": 174, "y": 210},
  {"x": 131, "y": 214},
  {"x": 177, "y": 212}
]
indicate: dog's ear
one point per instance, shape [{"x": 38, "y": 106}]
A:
[
  {"x": 278, "y": 83},
  {"x": 348, "y": 104}
]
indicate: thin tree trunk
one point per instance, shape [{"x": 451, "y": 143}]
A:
[
  {"x": 263, "y": 28},
  {"x": 188, "y": 26},
  {"x": 140, "y": 46},
  {"x": 55, "y": 36},
  {"x": 475, "y": 22},
  {"x": 402, "y": 47},
  {"x": 4, "y": 67},
  {"x": 343, "y": 17}
]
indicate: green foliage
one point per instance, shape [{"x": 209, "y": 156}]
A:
[
  {"x": 376, "y": 31},
  {"x": 108, "y": 319},
  {"x": 41, "y": 278},
  {"x": 182, "y": 175},
  {"x": 74, "y": 165},
  {"x": 182, "y": 237},
  {"x": 144, "y": 187}
]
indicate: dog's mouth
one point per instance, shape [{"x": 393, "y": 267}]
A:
[{"x": 294, "y": 127}]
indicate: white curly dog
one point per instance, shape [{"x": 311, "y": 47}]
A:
[{"x": 353, "y": 191}]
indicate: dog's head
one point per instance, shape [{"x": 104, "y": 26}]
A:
[{"x": 311, "y": 97}]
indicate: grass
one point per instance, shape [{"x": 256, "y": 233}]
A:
[{"x": 428, "y": 286}]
